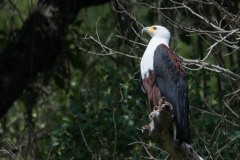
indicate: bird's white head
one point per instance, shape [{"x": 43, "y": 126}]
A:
[{"x": 158, "y": 32}]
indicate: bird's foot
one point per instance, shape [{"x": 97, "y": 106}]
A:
[{"x": 168, "y": 106}]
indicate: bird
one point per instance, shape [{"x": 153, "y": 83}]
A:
[{"x": 163, "y": 75}]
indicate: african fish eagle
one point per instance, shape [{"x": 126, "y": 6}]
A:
[{"x": 163, "y": 75}]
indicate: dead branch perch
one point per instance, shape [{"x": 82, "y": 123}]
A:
[
  {"x": 161, "y": 130},
  {"x": 211, "y": 67}
]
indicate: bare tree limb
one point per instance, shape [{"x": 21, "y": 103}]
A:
[
  {"x": 212, "y": 67},
  {"x": 161, "y": 130}
]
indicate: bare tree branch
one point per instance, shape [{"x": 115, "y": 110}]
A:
[
  {"x": 211, "y": 67},
  {"x": 161, "y": 130}
]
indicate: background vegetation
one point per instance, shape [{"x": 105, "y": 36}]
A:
[{"x": 85, "y": 101}]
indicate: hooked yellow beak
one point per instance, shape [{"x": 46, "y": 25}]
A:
[{"x": 149, "y": 30}]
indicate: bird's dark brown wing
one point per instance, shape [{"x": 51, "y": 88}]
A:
[{"x": 171, "y": 80}]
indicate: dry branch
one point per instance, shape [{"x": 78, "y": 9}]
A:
[
  {"x": 161, "y": 130},
  {"x": 215, "y": 68}
]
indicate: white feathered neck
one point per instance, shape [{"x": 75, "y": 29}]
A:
[{"x": 161, "y": 36}]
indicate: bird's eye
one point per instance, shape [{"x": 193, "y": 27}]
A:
[{"x": 154, "y": 28}]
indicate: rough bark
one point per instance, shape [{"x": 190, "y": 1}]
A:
[
  {"x": 36, "y": 46},
  {"x": 161, "y": 130}
]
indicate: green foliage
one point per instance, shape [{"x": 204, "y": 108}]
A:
[
  {"x": 103, "y": 116},
  {"x": 91, "y": 107}
]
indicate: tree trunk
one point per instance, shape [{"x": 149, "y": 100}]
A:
[{"x": 36, "y": 46}]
